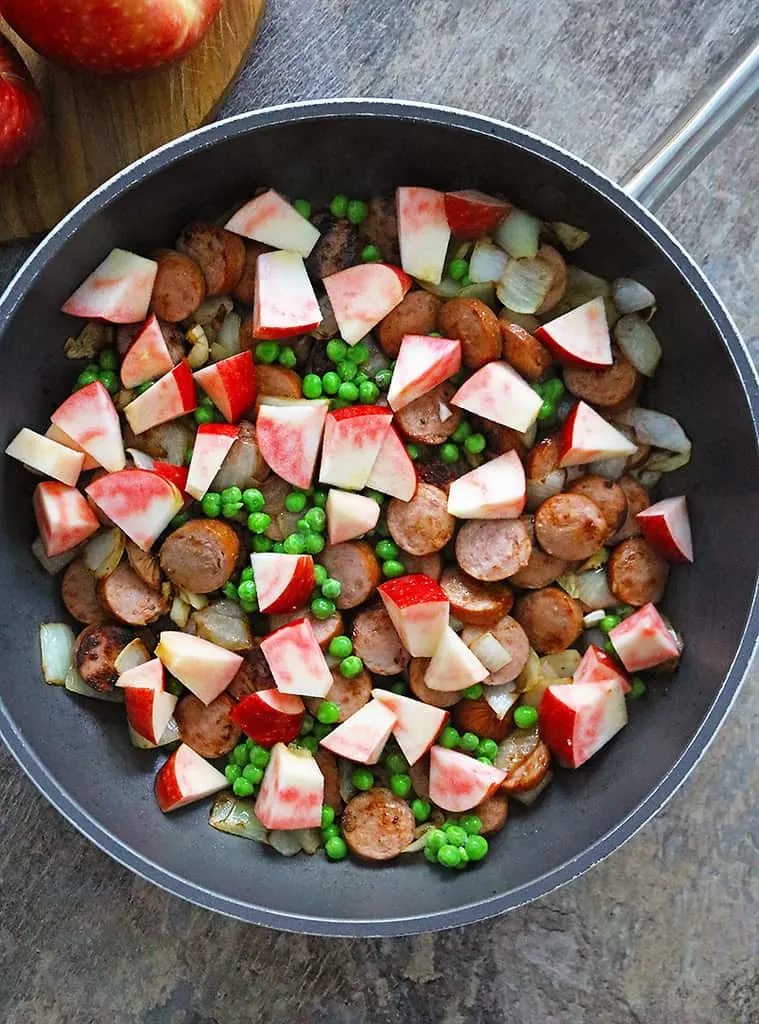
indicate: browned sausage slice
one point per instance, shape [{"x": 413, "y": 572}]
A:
[
  {"x": 419, "y": 774},
  {"x": 438, "y": 698},
  {"x": 480, "y": 604},
  {"x": 637, "y": 574},
  {"x": 328, "y": 766},
  {"x": 605, "y": 388},
  {"x": 417, "y": 313},
  {"x": 551, "y": 619},
  {"x": 245, "y": 289},
  {"x": 420, "y": 420},
  {"x": 493, "y": 813},
  {"x": 637, "y": 500},
  {"x": 541, "y": 569},
  {"x": 508, "y": 632},
  {"x": 526, "y": 353},
  {"x": 253, "y": 674},
  {"x": 543, "y": 458},
  {"x": 559, "y": 277},
  {"x": 338, "y": 248},
  {"x": 525, "y": 758},
  {"x": 423, "y": 525},
  {"x": 380, "y": 228},
  {"x": 477, "y": 328},
  {"x": 220, "y": 254},
  {"x": 145, "y": 565},
  {"x": 179, "y": 286},
  {"x": 356, "y": 566},
  {"x": 95, "y": 654},
  {"x": 129, "y": 599},
  {"x": 378, "y": 825},
  {"x": 200, "y": 556},
  {"x": 376, "y": 642},
  {"x": 208, "y": 729},
  {"x": 502, "y": 439},
  {"x": 493, "y": 549},
  {"x": 325, "y": 630},
  {"x": 80, "y": 595},
  {"x": 277, "y": 382},
  {"x": 350, "y": 695},
  {"x": 570, "y": 526},
  {"x": 427, "y": 565},
  {"x": 438, "y": 473},
  {"x": 478, "y": 717},
  {"x": 607, "y": 495}
]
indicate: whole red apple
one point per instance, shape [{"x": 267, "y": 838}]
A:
[
  {"x": 111, "y": 36},
  {"x": 20, "y": 107}
]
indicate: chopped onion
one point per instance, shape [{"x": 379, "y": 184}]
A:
[
  {"x": 656, "y": 429},
  {"x": 519, "y": 235},
  {"x": 490, "y": 652},
  {"x": 447, "y": 289},
  {"x": 309, "y": 839},
  {"x": 639, "y": 343},
  {"x": 347, "y": 789},
  {"x": 501, "y": 698},
  {"x": 286, "y": 843},
  {"x": 583, "y": 286},
  {"x": 592, "y": 590},
  {"x": 180, "y": 612},
  {"x": 75, "y": 684},
  {"x": 103, "y": 552},
  {"x": 196, "y": 601},
  {"x": 92, "y": 337},
  {"x": 224, "y": 623},
  {"x": 648, "y": 478},
  {"x": 200, "y": 350},
  {"x": 211, "y": 314},
  {"x": 538, "y": 490},
  {"x": 170, "y": 735},
  {"x": 229, "y": 334},
  {"x": 631, "y": 296},
  {"x": 57, "y": 649},
  {"x": 444, "y": 413},
  {"x": 568, "y": 582},
  {"x": 574, "y": 473},
  {"x": 530, "y": 674},
  {"x": 420, "y": 838},
  {"x": 135, "y": 653},
  {"x": 610, "y": 469},
  {"x": 593, "y": 618},
  {"x": 517, "y": 746},
  {"x": 140, "y": 459},
  {"x": 229, "y": 814},
  {"x": 666, "y": 462},
  {"x": 528, "y": 796},
  {"x": 488, "y": 262},
  {"x": 485, "y": 292},
  {"x": 525, "y": 284},
  {"x": 123, "y": 397},
  {"x": 570, "y": 237},
  {"x": 596, "y": 561},
  {"x": 562, "y": 664},
  {"x": 526, "y": 320},
  {"x": 53, "y": 565}
]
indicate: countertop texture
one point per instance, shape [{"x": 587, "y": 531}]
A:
[{"x": 665, "y": 931}]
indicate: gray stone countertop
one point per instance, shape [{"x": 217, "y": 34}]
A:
[{"x": 665, "y": 931}]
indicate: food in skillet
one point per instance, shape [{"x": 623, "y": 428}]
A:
[{"x": 360, "y": 503}]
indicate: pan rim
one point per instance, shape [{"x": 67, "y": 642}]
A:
[{"x": 702, "y": 290}]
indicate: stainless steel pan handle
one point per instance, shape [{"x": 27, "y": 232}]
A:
[{"x": 695, "y": 131}]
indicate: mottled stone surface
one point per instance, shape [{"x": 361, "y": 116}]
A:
[{"x": 666, "y": 930}]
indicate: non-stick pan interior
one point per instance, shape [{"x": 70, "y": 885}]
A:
[{"x": 78, "y": 750}]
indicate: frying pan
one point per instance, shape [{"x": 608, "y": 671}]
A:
[{"x": 78, "y": 753}]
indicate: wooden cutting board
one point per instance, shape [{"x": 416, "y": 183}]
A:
[{"x": 96, "y": 126}]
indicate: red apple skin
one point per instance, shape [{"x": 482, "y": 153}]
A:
[
  {"x": 107, "y": 37},
  {"x": 472, "y": 214},
  {"x": 20, "y": 108},
  {"x": 167, "y": 791},
  {"x": 266, "y": 724},
  {"x": 298, "y": 590}
]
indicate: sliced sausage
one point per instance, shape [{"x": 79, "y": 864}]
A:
[
  {"x": 129, "y": 599},
  {"x": 376, "y": 642},
  {"x": 167, "y": 442},
  {"x": 438, "y": 473},
  {"x": 427, "y": 565},
  {"x": 493, "y": 813},
  {"x": 477, "y": 328},
  {"x": 356, "y": 566},
  {"x": 179, "y": 286},
  {"x": 220, "y": 254},
  {"x": 325, "y": 630},
  {"x": 253, "y": 674},
  {"x": 478, "y": 717},
  {"x": 350, "y": 695},
  {"x": 80, "y": 594},
  {"x": 416, "y": 313},
  {"x": 145, "y": 565},
  {"x": 200, "y": 556},
  {"x": 510, "y": 635},
  {"x": 607, "y": 495},
  {"x": 543, "y": 458},
  {"x": 377, "y": 825},
  {"x": 283, "y": 522},
  {"x": 95, "y": 654},
  {"x": 526, "y": 353},
  {"x": 438, "y": 698},
  {"x": 493, "y": 549},
  {"x": 207, "y": 729},
  {"x": 605, "y": 388},
  {"x": 420, "y": 420},
  {"x": 423, "y": 525},
  {"x": 419, "y": 774},
  {"x": 570, "y": 526},
  {"x": 636, "y": 573},
  {"x": 327, "y": 328},
  {"x": 502, "y": 439},
  {"x": 637, "y": 500},
  {"x": 175, "y": 341},
  {"x": 380, "y": 228},
  {"x": 558, "y": 268},
  {"x": 245, "y": 289},
  {"x": 480, "y": 604},
  {"x": 329, "y": 768},
  {"x": 525, "y": 758},
  {"x": 551, "y": 619},
  {"x": 541, "y": 569},
  {"x": 277, "y": 382},
  {"x": 338, "y": 248}
]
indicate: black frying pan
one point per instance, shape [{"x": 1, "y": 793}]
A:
[{"x": 78, "y": 752}]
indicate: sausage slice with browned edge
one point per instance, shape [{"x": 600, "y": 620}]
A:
[
  {"x": 541, "y": 569},
  {"x": 219, "y": 253},
  {"x": 637, "y": 500},
  {"x": 245, "y": 289},
  {"x": 356, "y": 567},
  {"x": 253, "y": 674},
  {"x": 325, "y": 630},
  {"x": 421, "y": 420},
  {"x": 437, "y": 698},
  {"x": 208, "y": 729},
  {"x": 570, "y": 526},
  {"x": 493, "y": 549},
  {"x": 493, "y": 813},
  {"x": 427, "y": 565},
  {"x": 612, "y": 386},
  {"x": 329, "y": 768},
  {"x": 637, "y": 574},
  {"x": 526, "y": 353},
  {"x": 551, "y": 619},
  {"x": 80, "y": 594},
  {"x": 416, "y": 313},
  {"x": 478, "y": 717},
  {"x": 95, "y": 653},
  {"x": 129, "y": 599},
  {"x": 144, "y": 564},
  {"x": 350, "y": 695},
  {"x": 606, "y": 494},
  {"x": 477, "y": 328},
  {"x": 543, "y": 458},
  {"x": 376, "y": 642},
  {"x": 277, "y": 382},
  {"x": 525, "y": 758},
  {"x": 179, "y": 286},
  {"x": 419, "y": 774},
  {"x": 510, "y": 635},
  {"x": 380, "y": 228},
  {"x": 423, "y": 525},
  {"x": 378, "y": 825},
  {"x": 200, "y": 556},
  {"x": 480, "y": 604}
]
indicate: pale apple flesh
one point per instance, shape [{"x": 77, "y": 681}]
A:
[
  {"x": 459, "y": 782},
  {"x": 212, "y": 444},
  {"x": 148, "y": 356},
  {"x": 90, "y": 418},
  {"x": 140, "y": 502},
  {"x": 363, "y": 736},
  {"x": 498, "y": 393},
  {"x": 64, "y": 519},
  {"x": 417, "y": 725},
  {"x": 292, "y": 791},
  {"x": 361, "y": 296},
  {"x": 45, "y": 456}
]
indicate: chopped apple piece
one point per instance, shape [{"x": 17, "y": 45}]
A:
[
  {"x": 597, "y": 666},
  {"x": 169, "y": 398},
  {"x": 459, "y": 782},
  {"x": 472, "y": 214},
  {"x": 453, "y": 666},
  {"x": 417, "y": 725},
  {"x": 423, "y": 232},
  {"x": 296, "y": 661},
  {"x": 138, "y": 501},
  {"x": 212, "y": 444},
  {"x": 349, "y": 515},
  {"x": 353, "y": 438},
  {"x": 118, "y": 290},
  {"x": 283, "y": 582},
  {"x": 272, "y": 220},
  {"x": 89, "y": 417},
  {"x": 577, "y": 719},
  {"x": 580, "y": 337},
  {"x": 587, "y": 437},
  {"x": 269, "y": 717},
  {"x": 643, "y": 640},
  {"x": 292, "y": 791},
  {"x": 289, "y": 434},
  {"x": 495, "y": 490},
  {"x": 204, "y": 668},
  {"x": 284, "y": 301},
  {"x": 423, "y": 363},
  {"x": 56, "y": 434},
  {"x": 148, "y": 356},
  {"x": 64, "y": 519},
  {"x": 148, "y": 706},
  {"x": 419, "y": 610},
  {"x": 498, "y": 393},
  {"x": 363, "y": 295},
  {"x": 363, "y": 736},
  {"x": 185, "y": 778},
  {"x": 393, "y": 471},
  {"x": 47, "y": 457},
  {"x": 666, "y": 527},
  {"x": 231, "y": 383}
]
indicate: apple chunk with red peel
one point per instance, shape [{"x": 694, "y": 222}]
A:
[
  {"x": 204, "y": 668},
  {"x": 666, "y": 527},
  {"x": 393, "y": 471},
  {"x": 64, "y": 519},
  {"x": 494, "y": 490},
  {"x": 289, "y": 433},
  {"x": 588, "y": 437},
  {"x": 89, "y": 417},
  {"x": 580, "y": 337},
  {"x": 169, "y": 398},
  {"x": 148, "y": 356},
  {"x": 423, "y": 232},
  {"x": 423, "y": 362},
  {"x": 231, "y": 383},
  {"x": 185, "y": 778},
  {"x": 362, "y": 737},
  {"x": 269, "y": 717},
  {"x": 56, "y": 434},
  {"x": 419, "y": 610},
  {"x": 644, "y": 640},
  {"x": 284, "y": 302},
  {"x": 577, "y": 719},
  {"x": 118, "y": 290},
  {"x": 353, "y": 438},
  {"x": 417, "y": 725},
  {"x": 212, "y": 444},
  {"x": 292, "y": 791},
  {"x": 283, "y": 582},
  {"x": 41, "y": 454},
  {"x": 361, "y": 296},
  {"x": 497, "y": 392},
  {"x": 296, "y": 661},
  {"x": 148, "y": 706},
  {"x": 349, "y": 515},
  {"x": 270, "y": 219},
  {"x": 453, "y": 665},
  {"x": 459, "y": 782},
  {"x": 597, "y": 666},
  {"x": 140, "y": 502},
  {"x": 472, "y": 214}
]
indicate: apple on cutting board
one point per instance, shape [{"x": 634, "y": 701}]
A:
[{"x": 20, "y": 108}]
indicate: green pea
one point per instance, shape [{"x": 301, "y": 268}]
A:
[
  {"x": 188, "y": 456},
  {"x": 476, "y": 847},
  {"x": 525, "y": 717},
  {"x": 287, "y": 358},
  {"x": 319, "y": 498},
  {"x": 303, "y": 526},
  {"x": 610, "y": 648},
  {"x": 307, "y": 726},
  {"x": 368, "y": 392},
  {"x": 328, "y": 831},
  {"x": 230, "y": 511},
  {"x": 331, "y": 382},
  {"x": 400, "y": 785},
  {"x": 382, "y": 379},
  {"x": 309, "y": 743},
  {"x": 332, "y": 589},
  {"x": 328, "y": 815},
  {"x": 471, "y": 824},
  {"x": 316, "y": 519},
  {"x": 295, "y": 502},
  {"x": 608, "y": 622},
  {"x": 475, "y": 444},
  {"x": 461, "y": 433},
  {"x": 469, "y": 742},
  {"x": 142, "y": 388},
  {"x": 393, "y": 568},
  {"x": 267, "y": 352},
  {"x": 336, "y": 350},
  {"x": 436, "y": 839},
  {"x": 396, "y": 763},
  {"x": 348, "y": 392},
  {"x": 455, "y": 834},
  {"x": 109, "y": 380},
  {"x": 328, "y": 712},
  {"x": 466, "y": 281},
  {"x": 107, "y": 359},
  {"x": 320, "y": 575},
  {"x": 449, "y": 453},
  {"x": 487, "y": 748},
  {"x": 179, "y": 520},
  {"x": 362, "y": 779},
  {"x": 239, "y": 755},
  {"x": 351, "y": 666},
  {"x": 259, "y": 522},
  {"x": 358, "y": 211},
  {"x": 211, "y": 504},
  {"x": 321, "y": 608},
  {"x": 249, "y": 607},
  {"x": 370, "y": 254},
  {"x": 625, "y": 610},
  {"x": 303, "y": 207},
  {"x": 230, "y": 590},
  {"x": 637, "y": 688},
  {"x": 312, "y": 385},
  {"x": 553, "y": 389},
  {"x": 413, "y": 452},
  {"x": 485, "y": 760},
  {"x": 335, "y": 848},
  {"x": 85, "y": 377},
  {"x": 375, "y": 496},
  {"x": 341, "y": 647},
  {"x": 252, "y": 774},
  {"x": 262, "y": 545},
  {"x": 357, "y": 354},
  {"x": 247, "y": 591},
  {"x": 203, "y": 415},
  {"x": 347, "y": 370},
  {"x": 464, "y": 859},
  {"x": 421, "y": 809},
  {"x": 400, "y": 688},
  {"x": 449, "y": 856},
  {"x": 253, "y": 499},
  {"x": 232, "y": 772},
  {"x": 206, "y": 401},
  {"x": 473, "y": 692},
  {"x": 294, "y": 544},
  {"x": 458, "y": 269},
  {"x": 231, "y": 495},
  {"x": 339, "y": 205},
  {"x": 387, "y": 549},
  {"x": 321, "y": 729},
  {"x": 449, "y": 737},
  {"x": 315, "y": 543},
  {"x": 259, "y": 757}
]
